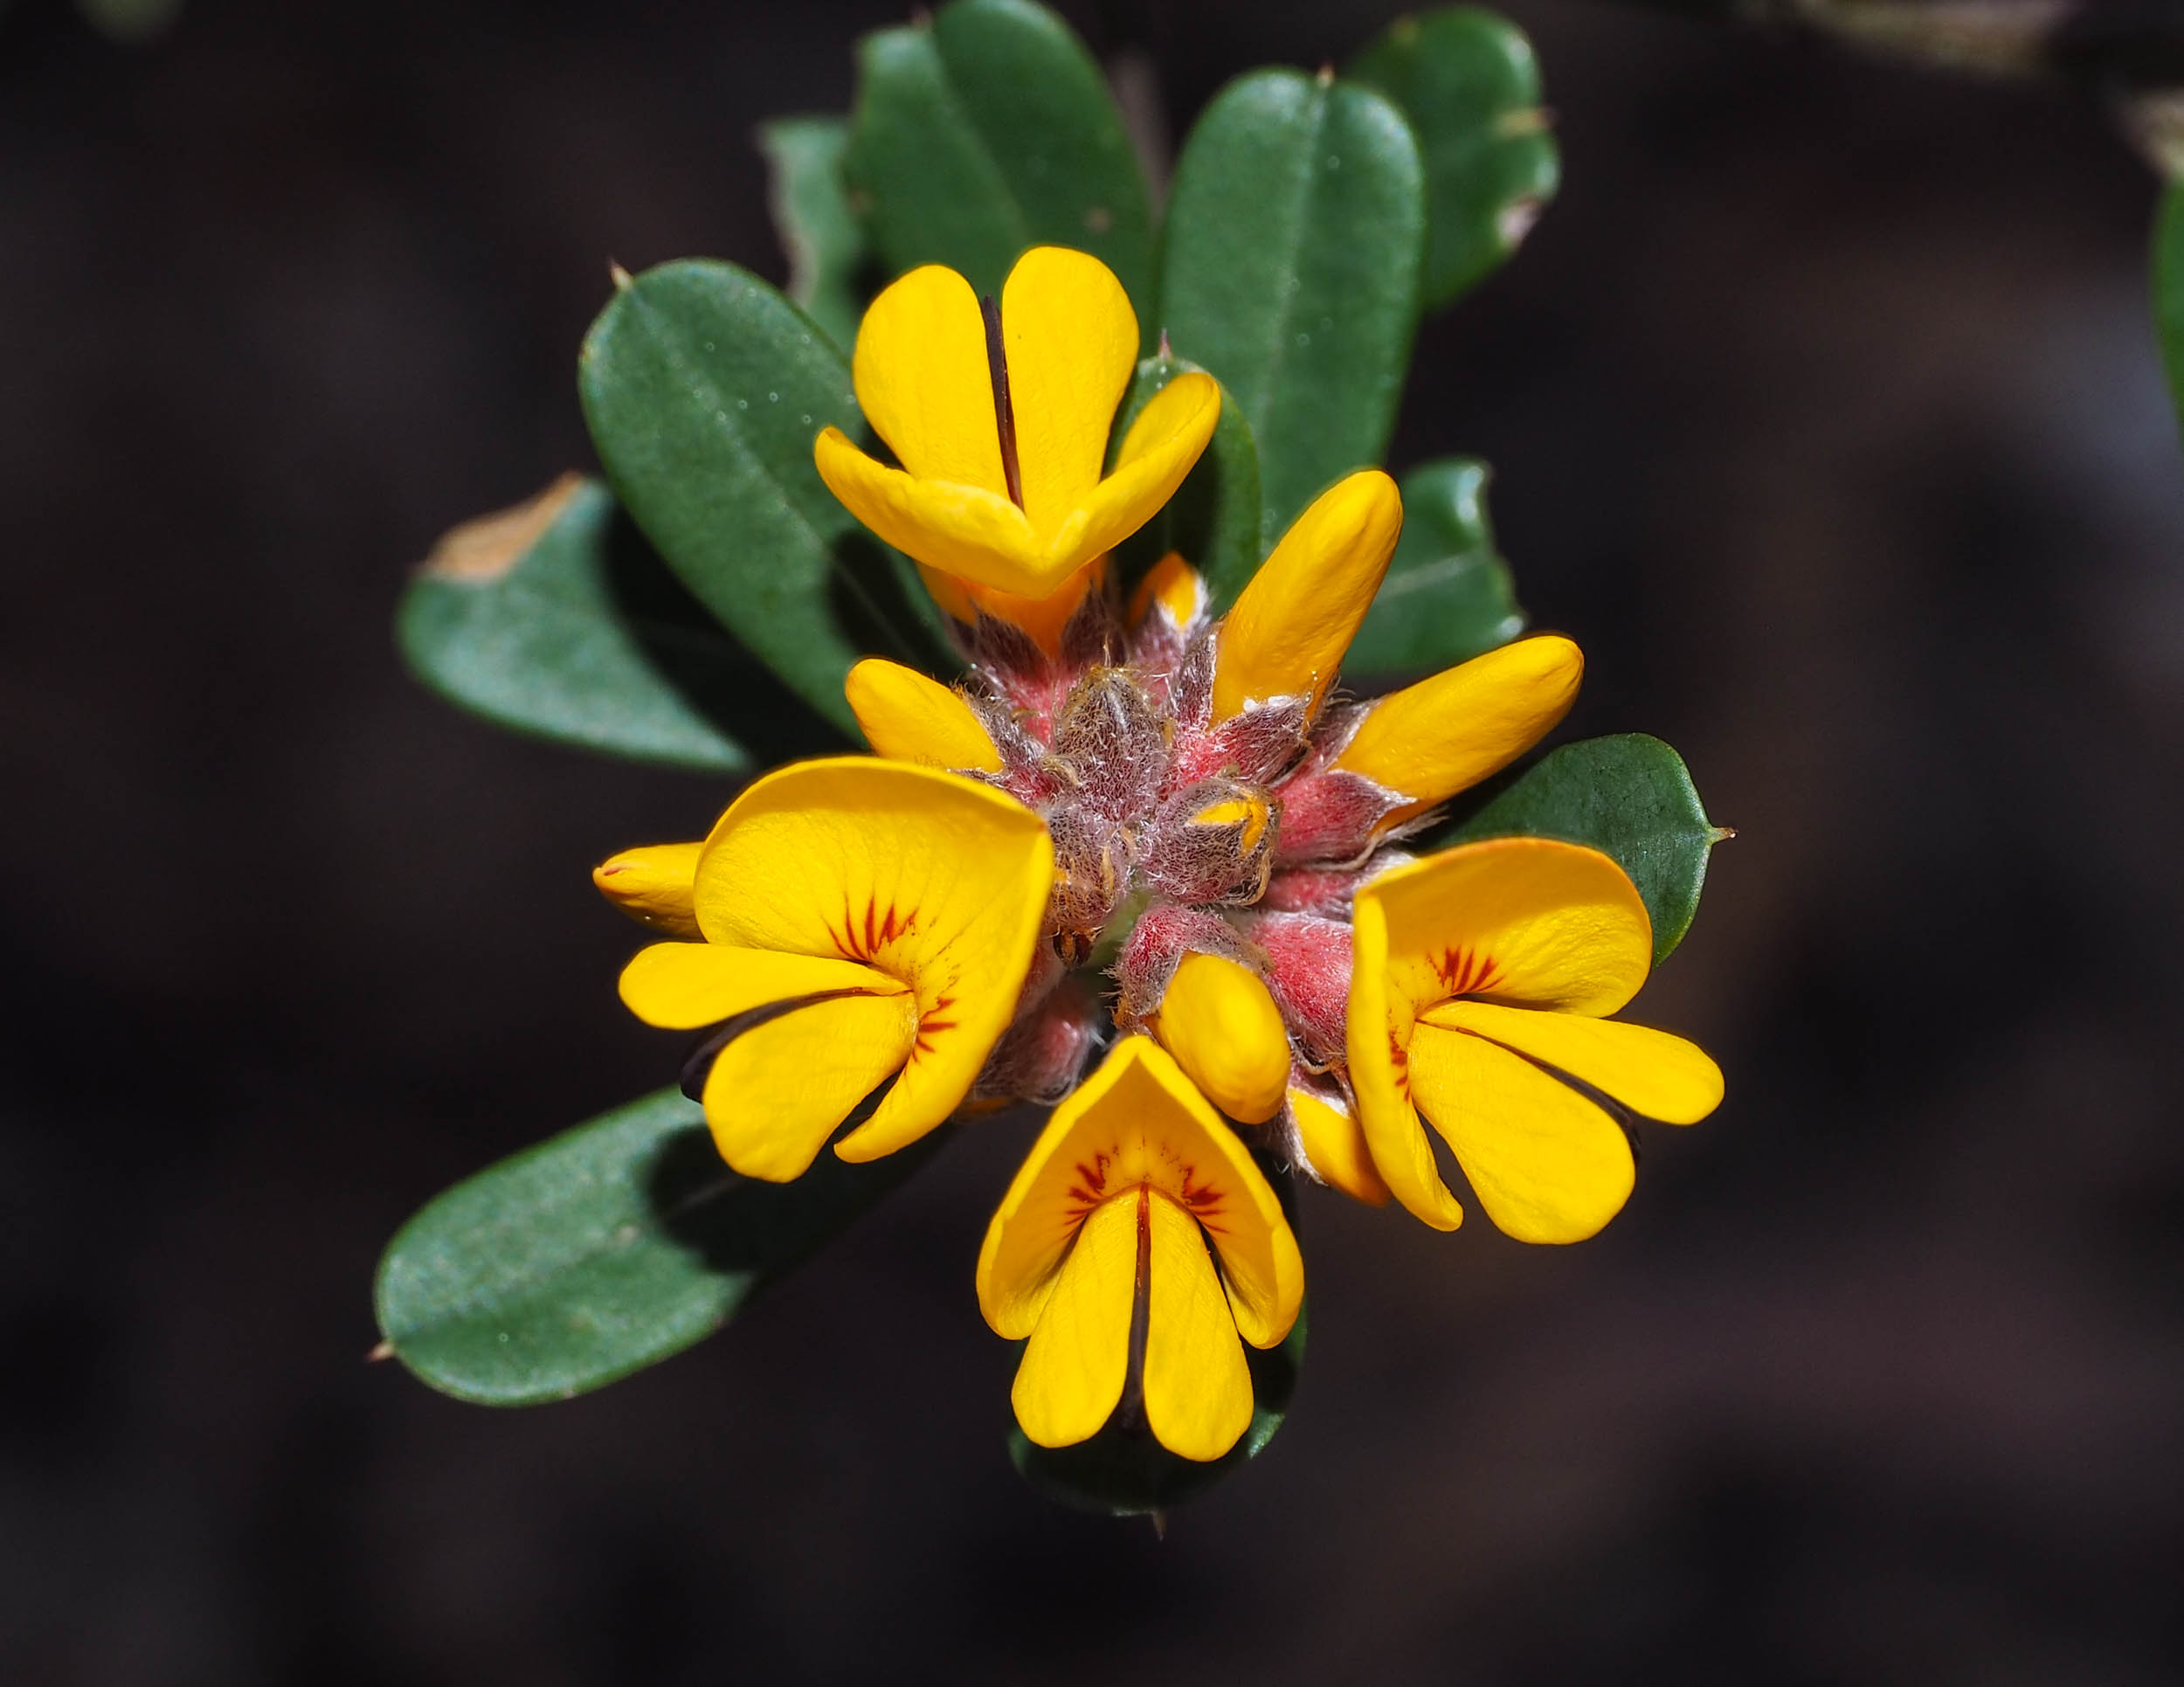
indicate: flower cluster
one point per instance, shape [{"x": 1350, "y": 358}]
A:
[{"x": 1136, "y": 826}]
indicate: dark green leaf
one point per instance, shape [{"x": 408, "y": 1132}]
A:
[
  {"x": 828, "y": 254},
  {"x": 1630, "y": 796},
  {"x": 2168, "y": 285},
  {"x": 1213, "y": 518},
  {"x": 989, "y": 130},
  {"x": 1294, "y": 239},
  {"x": 607, "y": 1248},
  {"x": 557, "y": 619},
  {"x": 1447, "y": 596},
  {"x": 704, "y": 389},
  {"x": 1124, "y": 1472},
  {"x": 1467, "y": 79}
]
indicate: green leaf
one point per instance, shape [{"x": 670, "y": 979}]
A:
[
  {"x": 2168, "y": 286},
  {"x": 605, "y": 1249},
  {"x": 1123, "y": 1472},
  {"x": 704, "y": 389},
  {"x": 1295, "y": 234},
  {"x": 1469, "y": 82},
  {"x": 991, "y": 129},
  {"x": 1213, "y": 518},
  {"x": 1447, "y": 596},
  {"x": 556, "y": 619},
  {"x": 1630, "y": 796},
  {"x": 829, "y": 256}
]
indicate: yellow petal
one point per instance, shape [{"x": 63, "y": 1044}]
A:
[
  {"x": 907, "y": 717},
  {"x": 1071, "y": 1376},
  {"x": 1197, "y": 1389},
  {"x": 951, "y": 594},
  {"x": 1334, "y": 1142},
  {"x": 1139, "y": 1121},
  {"x": 1546, "y": 1164},
  {"x": 1532, "y": 921},
  {"x": 933, "y": 879},
  {"x": 1444, "y": 734},
  {"x": 1161, "y": 446},
  {"x": 922, "y": 380},
  {"x": 652, "y": 886},
  {"x": 1072, "y": 343},
  {"x": 1379, "y": 1046},
  {"x": 1287, "y": 634},
  {"x": 1173, "y": 586},
  {"x": 1219, "y": 1019},
  {"x": 679, "y": 986},
  {"x": 964, "y": 530},
  {"x": 1650, "y": 1072},
  {"x": 778, "y": 1091}
]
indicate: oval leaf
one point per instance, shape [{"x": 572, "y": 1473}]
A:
[
  {"x": 1123, "y": 1472},
  {"x": 607, "y": 1248},
  {"x": 989, "y": 130},
  {"x": 1293, "y": 238},
  {"x": 1469, "y": 82},
  {"x": 828, "y": 254},
  {"x": 1213, "y": 518},
  {"x": 1447, "y": 596},
  {"x": 1628, "y": 796},
  {"x": 2168, "y": 286},
  {"x": 704, "y": 389}
]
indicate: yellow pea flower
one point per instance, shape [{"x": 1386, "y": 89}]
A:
[
  {"x": 861, "y": 918},
  {"x": 1133, "y": 1181},
  {"x": 653, "y": 886},
  {"x": 1000, "y": 418},
  {"x": 1481, "y": 976}
]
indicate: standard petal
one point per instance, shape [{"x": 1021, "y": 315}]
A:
[
  {"x": 679, "y": 986},
  {"x": 1219, "y": 1020},
  {"x": 1532, "y": 921},
  {"x": 1334, "y": 1143},
  {"x": 924, "y": 383},
  {"x": 779, "y": 1090},
  {"x": 932, "y": 878},
  {"x": 1444, "y": 734},
  {"x": 907, "y": 717},
  {"x": 652, "y": 885},
  {"x": 1071, "y": 1377},
  {"x": 1163, "y": 444},
  {"x": 1650, "y": 1072},
  {"x": 1547, "y": 1164},
  {"x": 1072, "y": 343},
  {"x": 1198, "y": 1388},
  {"x": 1378, "y": 1046},
  {"x": 1139, "y": 1121},
  {"x": 961, "y": 529},
  {"x": 1286, "y": 635}
]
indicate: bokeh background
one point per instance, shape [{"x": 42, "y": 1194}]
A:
[{"x": 1825, "y": 412}]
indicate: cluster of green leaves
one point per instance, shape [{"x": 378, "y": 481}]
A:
[{"x": 703, "y": 612}]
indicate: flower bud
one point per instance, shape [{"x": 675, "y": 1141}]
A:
[
  {"x": 1328, "y": 1141},
  {"x": 1226, "y": 1033},
  {"x": 1212, "y": 843},
  {"x": 1444, "y": 734},
  {"x": 1039, "y": 1057},
  {"x": 907, "y": 717},
  {"x": 653, "y": 886},
  {"x": 1308, "y": 969},
  {"x": 1287, "y": 632}
]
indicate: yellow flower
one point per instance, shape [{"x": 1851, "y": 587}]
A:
[
  {"x": 861, "y": 918},
  {"x": 1133, "y": 1180},
  {"x": 1481, "y": 978},
  {"x": 1000, "y": 419}
]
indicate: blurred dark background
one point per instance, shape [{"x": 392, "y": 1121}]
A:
[{"x": 1825, "y": 414}]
